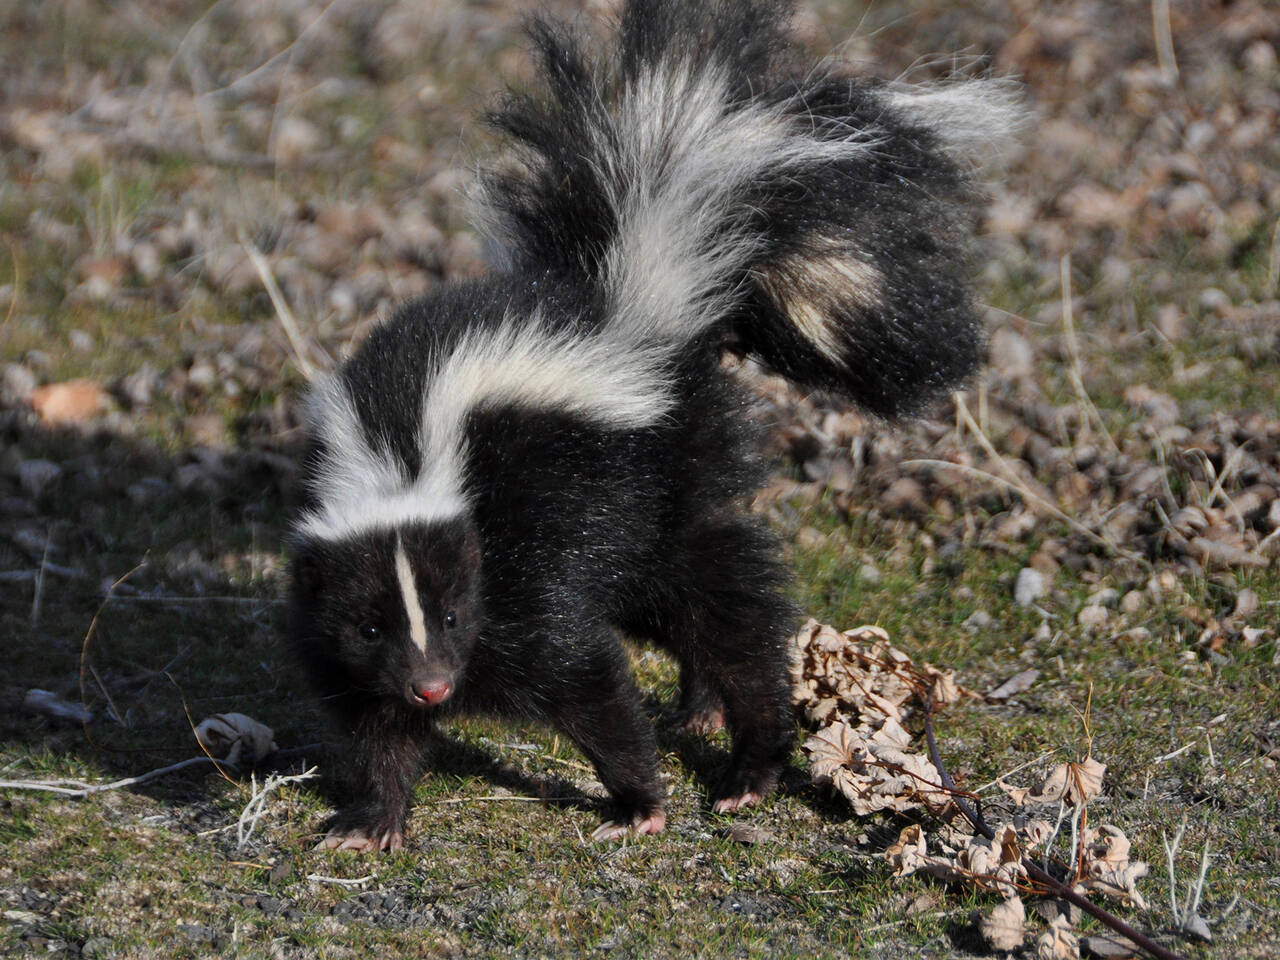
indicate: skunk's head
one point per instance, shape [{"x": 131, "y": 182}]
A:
[{"x": 391, "y": 612}]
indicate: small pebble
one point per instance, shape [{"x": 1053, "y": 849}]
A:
[
  {"x": 1029, "y": 587},
  {"x": 1091, "y": 617},
  {"x": 1133, "y": 601}
]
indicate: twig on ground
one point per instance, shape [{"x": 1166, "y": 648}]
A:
[
  {"x": 1021, "y": 766},
  {"x": 1181, "y": 750},
  {"x": 1187, "y": 916},
  {"x": 78, "y": 788}
]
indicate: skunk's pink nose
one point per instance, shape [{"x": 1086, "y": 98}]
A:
[{"x": 435, "y": 693}]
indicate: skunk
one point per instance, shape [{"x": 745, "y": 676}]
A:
[{"x": 512, "y": 470}]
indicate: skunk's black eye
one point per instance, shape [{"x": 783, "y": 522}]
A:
[
  {"x": 450, "y": 619},
  {"x": 367, "y": 631}
]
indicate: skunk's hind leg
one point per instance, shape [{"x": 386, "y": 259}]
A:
[
  {"x": 721, "y": 612},
  {"x": 594, "y": 699}
]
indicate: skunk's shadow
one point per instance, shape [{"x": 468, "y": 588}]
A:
[
  {"x": 191, "y": 541},
  {"x": 140, "y": 589}
]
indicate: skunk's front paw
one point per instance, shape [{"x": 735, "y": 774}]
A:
[{"x": 653, "y": 822}]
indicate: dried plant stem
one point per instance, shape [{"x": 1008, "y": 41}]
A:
[
  {"x": 1273, "y": 264},
  {"x": 285, "y": 315},
  {"x": 253, "y": 812},
  {"x": 1019, "y": 487},
  {"x": 1170, "y": 855},
  {"x": 1034, "y": 872},
  {"x": 341, "y": 881},
  {"x": 1073, "y": 349},
  {"x": 1163, "y": 29},
  {"x": 88, "y": 634}
]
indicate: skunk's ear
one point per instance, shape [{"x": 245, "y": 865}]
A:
[{"x": 471, "y": 547}]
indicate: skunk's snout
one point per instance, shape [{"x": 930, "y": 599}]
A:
[{"x": 429, "y": 693}]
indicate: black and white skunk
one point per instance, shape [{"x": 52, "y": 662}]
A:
[{"x": 512, "y": 470}]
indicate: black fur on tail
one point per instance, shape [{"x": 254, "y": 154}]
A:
[{"x": 710, "y": 183}]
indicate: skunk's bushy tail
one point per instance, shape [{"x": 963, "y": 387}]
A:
[{"x": 706, "y": 181}]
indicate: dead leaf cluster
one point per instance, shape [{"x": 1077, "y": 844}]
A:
[{"x": 859, "y": 690}]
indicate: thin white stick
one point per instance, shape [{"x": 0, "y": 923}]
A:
[
  {"x": 1171, "y": 855},
  {"x": 1197, "y": 888},
  {"x": 340, "y": 881},
  {"x": 82, "y": 789},
  {"x": 1169, "y": 756}
]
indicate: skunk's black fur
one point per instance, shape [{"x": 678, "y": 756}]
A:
[{"x": 513, "y": 469}]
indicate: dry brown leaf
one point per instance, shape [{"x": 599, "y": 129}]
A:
[
  {"x": 72, "y": 401},
  {"x": 1036, "y": 832},
  {"x": 860, "y": 688},
  {"x": 1004, "y": 927},
  {"x": 996, "y": 863},
  {"x": 1072, "y": 783},
  {"x": 908, "y": 855},
  {"x": 831, "y": 747},
  {"x": 1058, "y": 942},
  {"x": 908, "y": 852},
  {"x": 230, "y": 736}
]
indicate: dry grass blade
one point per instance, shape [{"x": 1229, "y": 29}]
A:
[
  {"x": 1073, "y": 349},
  {"x": 1163, "y": 28},
  {"x": 297, "y": 342},
  {"x": 1020, "y": 488}
]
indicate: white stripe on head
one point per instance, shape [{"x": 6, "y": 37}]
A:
[{"x": 409, "y": 592}]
